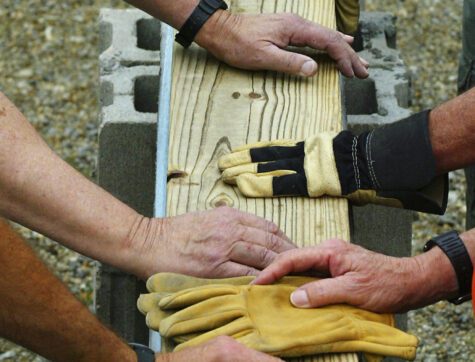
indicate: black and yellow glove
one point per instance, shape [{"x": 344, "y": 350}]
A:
[
  {"x": 392, "y": 165},
  {"x": 347, "y": 15}
]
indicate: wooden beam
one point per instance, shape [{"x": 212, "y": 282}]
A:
[{"x": 215, "y": 107}]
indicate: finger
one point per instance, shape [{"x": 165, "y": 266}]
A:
[
  {"x": 360, "y": 68},
  {"x": 242, "y": 155},
  {"x": 192, "y": 296},
  {"x": 147, "y": 302},
  {"x": 231, "y": 329},
  {"x": 172, "y": 282},
  {"x": 253, "y": 255},
  {"x": 155, "y": 317},
  {"x": 294, "y": 164},
  {"x": 292, "y": 261},
  {"x": 270, "y": 186},
  {"x": 265, "y": 239},
  {"x": 347, "y": 38},
  {"x": 277, "y": 59},
  {"x": 364, "y": 62},
  {"x": 232, "y": 269},
  {"x": 260, "y": 223},
  {"x": 230, "y": 175},
  {"x": 323, "y": 292},
  {"x": 201, "y": 317},
  {"x": 273, "y": 168}
]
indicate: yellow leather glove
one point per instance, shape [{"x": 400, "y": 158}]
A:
[
  {"x": 163, "y": 284},
  {"x": 347, "y": 15},
  {"x": 392, "y": 166},
  {"x": 262, "y": 318}
]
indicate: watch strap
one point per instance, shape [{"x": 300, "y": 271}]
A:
[
  {"x": 197, "y": 19},
  {"x": 144, "y": 353},
  {"x": 455, "y": 249}
]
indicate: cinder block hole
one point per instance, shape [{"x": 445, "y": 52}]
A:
[
  {"x": 146, "y": 94},
  {"x": 403, "y": 95},
  {"x": 148, "y": 34},
  {"x": 390, "y": 39},
  {"x": 106, "y": 92},
  {"x": 360, "y": 96},
  {"x": 105, "y": 39}
]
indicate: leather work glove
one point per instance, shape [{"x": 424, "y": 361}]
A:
[
  {"x": 347, "y": 15},
  {"x": 392, "y": 165},
  {"x": 163, "y": 284},
  {"x": 262, "y": 317}
]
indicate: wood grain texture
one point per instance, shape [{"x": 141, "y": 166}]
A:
[{"x": 215, "y": 108}]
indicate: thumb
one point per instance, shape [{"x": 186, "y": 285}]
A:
[
  {"x": 320, "y": 293},
  {"x": 288, "y": 62}
]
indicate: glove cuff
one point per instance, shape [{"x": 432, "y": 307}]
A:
[
  {"x": 396, "y": 161},
  {"x": 401, "y": 154}
]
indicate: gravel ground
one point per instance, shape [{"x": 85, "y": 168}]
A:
[{"x": 49, "y": 68}]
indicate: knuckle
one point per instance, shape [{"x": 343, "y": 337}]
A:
[
  {"x": 272, "y": 227},
  {"x": 273, "y": 242},
  {"x": 250, "y": 272},
  {"x": 265, "y": 256}
]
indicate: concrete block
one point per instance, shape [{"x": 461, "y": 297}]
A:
[
  {"x": 129, "y": 82},
  {"x": 128, "y": 38},
  {"x": 129, "y": 95},
  {"x": 384, "y": 97}
]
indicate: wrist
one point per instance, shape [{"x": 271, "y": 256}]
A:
[
  {"x": 143, "y": 244},
  {"x": 434, "y": 278},
  {"x": 218, "y": 26}
]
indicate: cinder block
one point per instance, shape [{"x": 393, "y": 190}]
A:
[
  {"x": 128, "y": 38},
  {"x": 129, "y": 82},
  {"x": 382, "y": 98},
  {"x": 129, "y": 95}
]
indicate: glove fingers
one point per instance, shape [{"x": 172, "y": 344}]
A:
[
  {"x": 261, "y": 144},
  {"x": 267, "y": 186},
  {"x": 155, "y": 317},
  {"x": 235, "y": 329},
  {"x": 192, "y": 296},
  {"x": 270, "y": 152},
  {"x": 386, "y": 340},
  {"x": 364, "y": 315},
  {"x": 149, "y": 302},
  {"x": 173, "y": 282},
  {"x": 204, "y": 316}
]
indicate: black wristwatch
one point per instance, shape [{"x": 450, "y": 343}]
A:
[
  {"x": 455, "y": 249},
  {"x": 144, "y": 353},
  {"x": 198, "y": 17}
]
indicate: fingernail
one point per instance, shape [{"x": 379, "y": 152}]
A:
[
  {"x": 308, "y": 68},
  {"x": 299, "y": 298}
]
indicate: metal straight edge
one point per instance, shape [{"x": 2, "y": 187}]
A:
[{"x": 163, "y": 121}]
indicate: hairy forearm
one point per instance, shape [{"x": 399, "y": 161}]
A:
[
  {"x": 452, "y": 133},
  {"x": 44, "y": 193},
  {"x": 38, "y": 312}
]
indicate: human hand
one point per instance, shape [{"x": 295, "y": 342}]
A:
[
  {"x": 364, "y": 278},
  {"x": 258, "y": 42},
  {"x": 218, "y": 243},
  {"x": 220, "y": 349}
]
